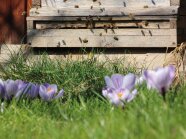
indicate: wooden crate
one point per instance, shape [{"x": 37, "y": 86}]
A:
[
  {"x": 142, "y": 25},
  {"x": 103, "y": 23}
]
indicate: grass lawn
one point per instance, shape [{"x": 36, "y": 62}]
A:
[{"x": 83, "y": 113}]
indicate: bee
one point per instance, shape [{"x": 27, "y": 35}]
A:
[
  {"x": 105, "y": 28},
  {"x": 116, "y": 38},
  {"x": 102, "y": 9},
  {"x": 64, "y": 0},
  {"x": 158, "y": 26},
  {"x": 146, "y": 23},
  {"x": 99, "y": 3},
  {"x": 36, "y": 12},
  {"x": 150, "y": 33},
  {"x": 131, "y": 16},
  {"x": 124, "y": 4},
  {"x": 146, "y": 6},
  {"x": 85, "y": 41},
  {"x": 91, "y": 30},
  {"x": 143, "y": 33},
  {"x": 100, "y": 34},
  {"x": 122, "y": 13},
  {"x": 64, "y": 43},
  {"x": 80, "y": 40},
  {"x": 58, "y": 44},
  {"x": 76, "y": 6},
  {"x": 94, "y": 0},
  {"x": 91, "y": 7}
]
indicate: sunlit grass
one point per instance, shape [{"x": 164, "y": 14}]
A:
[{"x": 83, "y": 113}]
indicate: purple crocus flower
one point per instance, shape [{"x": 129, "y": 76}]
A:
[
  {"x": 160, "y": 79},
  {"x": 13, "y": 88},
  {"x": 2, "y": 89},
  {"x": 33, "y": 90},
  {"x": 119, "y": 88},
  {"x": 29, "y": 90},
  {"x": 48, "y": 92}
]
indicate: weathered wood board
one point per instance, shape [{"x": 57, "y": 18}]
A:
[
  {"x": 102, "y": 24},
  {"x": 104, "y": 3},
  {"x": 111, "y": 11},
  {"x": 103, "y": 38}
]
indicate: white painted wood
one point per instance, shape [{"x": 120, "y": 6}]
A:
[
  {"x": 112, "y": 11},
  {"x": 104, "y": 3},
  {"x": 119, "y": 38}
]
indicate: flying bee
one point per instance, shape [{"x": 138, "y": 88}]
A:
[
  {"x": 91, "y": 7},
  {"x": 146, "y": 6},
  {"x": 99, "y": 3},
  {"x": 100, "y": 34},
  {"x": 64, "y": 0}
]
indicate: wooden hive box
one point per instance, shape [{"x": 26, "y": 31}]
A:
[{"x": 129, "y": 24}]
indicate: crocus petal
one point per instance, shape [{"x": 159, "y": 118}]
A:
[
  {"x": 11, "y": 88},
  {"x": 109, "y": 82},
  {"x": 149, "y": 76},
  {"x": 42, "y": 93},
  {"x": 32, "y": 91},
  {"x": 117, "y": 80},
  {"x": 129, "y": 81},
  {"x": 114, "y": 99},
  {"x": 2, "y": 89},
  {"x": 105, "y": 92},
  {"x": 132, "y": 95},
  {"x": 161, "y": 79},
  {"x": 52, "y": 89},
  {"x": 60, "y": 94}
]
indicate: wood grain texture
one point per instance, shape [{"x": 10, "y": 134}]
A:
[
  {"x": 104, "y": 3},
  {"x": 97, "y": 18},
  {"x": 112, "y": 11},
  {"x": 99, "y": 24},
  {"x": 118, "y": 38}
]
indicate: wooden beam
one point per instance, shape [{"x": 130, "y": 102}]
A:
[
  {"x": 103, "y": 38},
  {"x": 105, "y": 3},
  {"x": 111, "y": 11},
  {"x": 113, "y": 18}
]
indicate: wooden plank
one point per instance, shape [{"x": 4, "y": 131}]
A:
[
  {"x": 116, "y": 24},
  {"x": 119, "y": 38},
  {"x": 96, "y": 32},
  {"x": 113, "y": 18},
  {"x": 105, "y": 3},
  {"x": 111, "y": 11}
]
